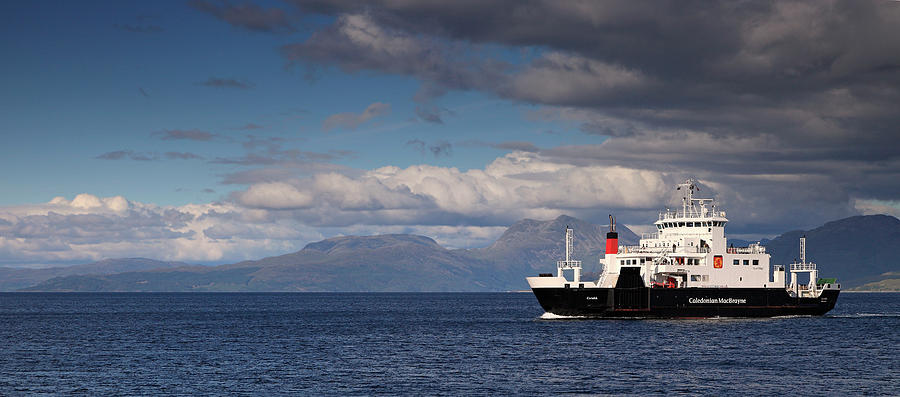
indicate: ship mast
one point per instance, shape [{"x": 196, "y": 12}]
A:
[{"x": 569, "y": 263}]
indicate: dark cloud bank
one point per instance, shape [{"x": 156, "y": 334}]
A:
[{"x": 787, "y": 109}]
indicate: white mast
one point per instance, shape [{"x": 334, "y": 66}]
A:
[
  {"x": 569, "y": 263},
  {"x": 803, "y": 249}
]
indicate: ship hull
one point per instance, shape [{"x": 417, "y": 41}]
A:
[{"x": 680, "y": 302}]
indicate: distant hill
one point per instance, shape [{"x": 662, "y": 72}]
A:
[
  {"x": 888, "y": 282},
  {"x": 396, "y": 262},
  {"x": 12, "y": 278},
  {"x": 856, "y": 250}
]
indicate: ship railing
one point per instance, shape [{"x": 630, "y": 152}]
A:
[
  {"x": 568, "y": 264},
  {"x": 801, "y": 267},
  {"x": 753, "y": 249},
  {"x": 690, "y": 214},
  {"x": 683, "y": 249},
  {"x": 637, "y": 249}
]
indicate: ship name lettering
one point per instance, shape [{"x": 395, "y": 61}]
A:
[{"x": 738, "y": 301}]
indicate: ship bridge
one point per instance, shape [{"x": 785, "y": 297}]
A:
[{"x": 698, "y": 225}]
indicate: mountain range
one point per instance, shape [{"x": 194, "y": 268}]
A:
[
  {"x": 851, "y": 249},
  {"x": 13, "y": 278}
]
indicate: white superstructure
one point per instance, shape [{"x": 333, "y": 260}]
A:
[{"x": 689, "y": 246}]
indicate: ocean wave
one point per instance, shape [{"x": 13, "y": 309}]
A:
[
  {"x": 551, "y": 316},
  {"x": 866, "y": 315}
]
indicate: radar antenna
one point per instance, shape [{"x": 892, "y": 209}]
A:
[{"x": 687, "y": 197}]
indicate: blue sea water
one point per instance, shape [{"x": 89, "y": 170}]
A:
[{"x": 433, "y": 344}]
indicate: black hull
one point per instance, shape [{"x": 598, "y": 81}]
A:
[{"x": 680, "y": 302}]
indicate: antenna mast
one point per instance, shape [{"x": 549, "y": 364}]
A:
[{"x": 803, "y": 249}]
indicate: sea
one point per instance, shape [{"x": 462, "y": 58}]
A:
[{"x": 428, "y": 344}]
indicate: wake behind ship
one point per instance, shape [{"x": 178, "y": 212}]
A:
[{"x": 685, "y": 270}]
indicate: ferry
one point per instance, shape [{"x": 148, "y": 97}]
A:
[{"x": 685, "y": 269}]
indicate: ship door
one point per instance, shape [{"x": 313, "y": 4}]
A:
[{"x": 630, "y": 292}]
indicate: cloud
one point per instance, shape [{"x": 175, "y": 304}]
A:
[
  {"x": 565, "y": 79},
  {"x": 91, "y": 228},
  {"x": 516, "y": 146},
  {"x": 417, "y": 145},
  {"x": 247, "y": 16},
  {"x": 351, "y": 121},
  {"x": 146, "y": 156},
  {"x": 128, "y": 155},
  {"x": 218, "y": 82},
  {"x": 515, "y": 186},
  {"x": 438, "y": 149},
  {"x": 441, "y": 148},
  {"x": 431, "y": 114},
  {"x": 356, "y": 42},
  {"x": 276, "y": 195},
  {"x": 191, "y": 135},
  {"x": 283, "y": 211},
  {"x": 725, "y": 69},
  {"x": 182, "y": 156},
  {"x": 250, "y": 126}
]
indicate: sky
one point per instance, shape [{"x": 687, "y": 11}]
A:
[{"x": 212, "y": 132}]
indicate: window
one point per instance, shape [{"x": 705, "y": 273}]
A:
[
  {"x": 695, "y": 277},
  {"x": 681, "y": 224},
  {"x": 622, "y": 262},
  {"x": 746, "y": 262},
  {"x": 690, "y": 224},
  {"x": 705, "y": 277},
  {"x": 737, "y": 262},
  {"x": 756, "y": 262}
]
